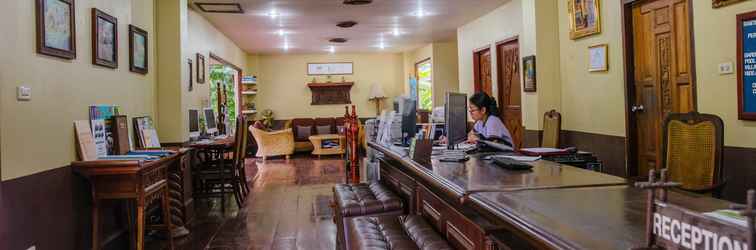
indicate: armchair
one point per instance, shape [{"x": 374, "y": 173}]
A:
[{"x": 273, "y": 143}]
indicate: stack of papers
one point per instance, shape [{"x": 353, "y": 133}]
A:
[
  {"x": 520, "y": 158},
  {"x": 728, "y": 215}
]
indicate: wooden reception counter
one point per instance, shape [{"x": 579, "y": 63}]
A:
[{"x": 478, "y": 205}]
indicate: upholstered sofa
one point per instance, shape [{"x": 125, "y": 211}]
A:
[{"x": 303, "y": 128}]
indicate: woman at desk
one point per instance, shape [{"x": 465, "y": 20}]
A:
[{"x": 485, "y": 113}]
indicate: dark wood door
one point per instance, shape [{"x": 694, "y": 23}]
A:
[
  {"x": 508, "y": 84},
  {"x": 482, "y": 71},
  {"x": 662, "y": 76}
]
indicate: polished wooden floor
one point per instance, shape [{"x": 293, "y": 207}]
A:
[{"x": 286, "y": 209}]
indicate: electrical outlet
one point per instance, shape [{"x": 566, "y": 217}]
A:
[
  {"x": 725, "y": 68},
  {"x": 23, "y": 93}
]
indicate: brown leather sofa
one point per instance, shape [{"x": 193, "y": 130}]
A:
[
  {"x": 393, "y": 232},
  {"x": 359, "y": 200},
  {"x": 303, "y": 128}
]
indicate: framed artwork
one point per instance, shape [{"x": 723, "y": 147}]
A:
[
  {"x": 137, "y": 50},
  {"x": 529, "y": 73},
  {"x": 746, "y": 49},
  {"x": 191, "y": 75},
  {"x": 599, "y": 58},
  {"x": 721, "y": 3},
  {"x": 104, "y": 39},
  {"x": 200, "y": 68},
  {"x": 314, "y": 69},
  {"x": 585, "y": 17},
  {"x": 56, "y": 28}
]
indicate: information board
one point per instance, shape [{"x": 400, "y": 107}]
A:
[{"x": 746, "y": 66}]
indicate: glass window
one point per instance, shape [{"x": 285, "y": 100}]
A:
[{"x": 424, "y": 85}]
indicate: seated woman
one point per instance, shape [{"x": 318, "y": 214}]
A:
[{"x": 485, "y": 113}]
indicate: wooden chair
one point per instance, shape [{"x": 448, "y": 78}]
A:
[
  {"x": 217, "y": 180},
  {"x": 240, "y": 155},
  {"x": 692, "y": 152},
  {"x": 552, "y": 128}
]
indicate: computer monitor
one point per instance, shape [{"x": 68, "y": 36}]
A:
[
  {"x": 194, "y": 127},
  {"x": 455, "y": 115},
  {"x": 408, "y": 111},
  {"x": 210, "y": 122}
]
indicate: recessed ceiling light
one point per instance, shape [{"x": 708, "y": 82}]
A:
[
  {"x": 357, "y": 2},
  {"x": 396, "y": 32},
  {"x": 382, "y": 45},
  {"x": 281, "y": 32},
  {"x": 346, "y": 24},
  {"x": 338, "y": 40},
  {"x": 273, "y": 14},
  {"x": 332, "y": 49},
  {"x": 220, "y": 7}
]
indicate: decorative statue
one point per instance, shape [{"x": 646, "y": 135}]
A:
[{"x": 267, "y": 117}]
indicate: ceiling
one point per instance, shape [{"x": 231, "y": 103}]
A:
[{"x": 305, "y": 26}]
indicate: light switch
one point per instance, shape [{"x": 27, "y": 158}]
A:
[
  {"x": 23, "y": 93},
  {"x": 725, "y": 68}
]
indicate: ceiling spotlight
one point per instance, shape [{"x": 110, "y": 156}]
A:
[
  {"x": 338, "y": 40},
  {"x": 281, "y": 32},
  {"x": 273, "y": 14},
  {"x": 382, "y": 45},
  {"x": 357, "y": 2},
  {"x": 396, "y": 32},
  {"x": 331, "y": 49},
  {"x": 286, "y": 46},
  {"x": 346, "y": 24}
]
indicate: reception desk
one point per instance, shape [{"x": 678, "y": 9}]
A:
[{"x": 478, "y": 205}]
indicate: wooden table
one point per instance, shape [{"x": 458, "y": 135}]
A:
[
  {"x": 478, "y": 205},
  {"x": 140, "y": 181},
  {"x": 317, "y": 143},
  {"x": 213, "y": 150}
]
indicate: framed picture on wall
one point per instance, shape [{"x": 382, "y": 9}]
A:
[
  {"x": 746, "y": 40},
  {"x": 529, "y": 73},
  {"x": 200, "y": 68},
  {"x": 137, "y": 50},
  {"x": 721, "y": 3},
  {"x": 104, "y": 39},
  {"x": 585, "y": 17},
  {"x": 598, "y": 58},
  {"x": 191, "y": 74},
  {"x": 56, "y": 28}
]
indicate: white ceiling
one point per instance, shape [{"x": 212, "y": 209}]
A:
[{"x": 309, "y": 24}]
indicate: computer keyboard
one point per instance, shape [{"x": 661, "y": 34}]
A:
[
  {"x": 452, "y": 155},
  {"x": 512, "y": 164}
]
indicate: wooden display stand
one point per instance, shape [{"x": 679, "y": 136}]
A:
[{"x": 318, "y": 149}]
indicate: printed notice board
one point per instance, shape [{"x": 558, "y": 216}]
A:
[{"x": 746, "y": 66}]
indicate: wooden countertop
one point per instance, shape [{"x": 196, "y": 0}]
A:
[{"x": 562, "y": 206}]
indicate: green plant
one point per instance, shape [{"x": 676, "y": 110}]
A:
[{"x": 225, "y": 76}]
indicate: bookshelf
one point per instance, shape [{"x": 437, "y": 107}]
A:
[{"x": 249, "y": 93}]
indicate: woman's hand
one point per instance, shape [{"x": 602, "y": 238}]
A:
[{"x": 472, "y": 138}]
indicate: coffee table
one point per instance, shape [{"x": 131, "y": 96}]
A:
[{"x": 337, "y": 147}]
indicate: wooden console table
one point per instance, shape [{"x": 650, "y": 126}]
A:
[
  {"x": 317, "y": 143},
  {"x": 140, "y": 181}
]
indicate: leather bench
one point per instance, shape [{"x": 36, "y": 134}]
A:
[
  {"x": 393, "y": 232},
  {"x": 358, "y": 200}
]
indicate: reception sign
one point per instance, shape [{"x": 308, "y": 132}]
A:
[{"x": 746, "y": 25}]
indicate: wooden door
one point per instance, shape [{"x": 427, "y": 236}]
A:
[
  {"x": 482, "y": 71},
  {"x": 662, "y": 73},
  {"x": 508, "y": 84}
]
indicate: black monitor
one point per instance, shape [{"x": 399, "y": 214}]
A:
[
  {"x": 455, "y": 116},
  {"x": 408, "y": 111},
  {"x": 194, "y": 130},
  {"x": 210, "y": 122}
]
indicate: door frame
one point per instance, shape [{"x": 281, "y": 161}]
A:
[
  {"x": 628, "y": 51},
  {"x": 478, "y": 87}
]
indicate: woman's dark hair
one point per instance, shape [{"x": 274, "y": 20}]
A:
[{"x": 483, "y": 100}]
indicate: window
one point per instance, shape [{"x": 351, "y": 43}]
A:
[{"x": 424, "y": 72}]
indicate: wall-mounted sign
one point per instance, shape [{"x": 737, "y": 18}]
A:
[
  {"x": 746, "y": 66},
  {"x": 330, "y": 68}
]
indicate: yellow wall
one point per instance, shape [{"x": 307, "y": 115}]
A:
[
  {"x": 445, "y": 71},
  {"x": 411, "y": 58},
  {"x": 37, "y": 135},
  {"x": 282, "y": 83},
  {"x": 715, "y": 43}
]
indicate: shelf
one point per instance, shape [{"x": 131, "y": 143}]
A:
[
  {"x": 247, "y": 112},
  {"x": 249, "y": 92},
  {"x": 253, "y": 83}
]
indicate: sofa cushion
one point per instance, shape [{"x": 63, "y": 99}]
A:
[
  {"x": 323, "y": 129},
  {"x": 394, "y": 232},
  {"x": 365, "y": 199},
  {"x": 303, "y": 132}
]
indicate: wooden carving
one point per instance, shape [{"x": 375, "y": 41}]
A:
[
  {"x": 665, "y": 60},
  {"x": 330, "y": 93}
]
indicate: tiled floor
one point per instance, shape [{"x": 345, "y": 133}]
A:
[{"x": 287, "y": 209}]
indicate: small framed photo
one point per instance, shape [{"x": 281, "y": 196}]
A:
[
  {"x": 599, "y": 58},
  {"x": 200, "y": 68},
  {"x": 104, "y": 39},
  {"x": 529, "y": 73},
  {"x": 191, "y": 74},
  {"x": 56, "y": 28},
  {"x": 137, "y": 50}
]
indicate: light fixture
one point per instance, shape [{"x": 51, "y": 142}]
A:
[
  {"x": 338, "y": 40},
  {"x": 273, "y": 14},
  {"x": 286, "y": 44},
  {"x": 396, "y": 32},
  {"x": 346, "y": 24},
  {"x": 332, "y": 49},
  {"x": 357, "y": 2},
  {"x": 281, "y": 32},
  {"x": 382, "y": 45}
]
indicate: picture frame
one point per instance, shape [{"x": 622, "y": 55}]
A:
[
  {"x": 721, "y": 3},
  {"x": 200, "y": 68},
  {"x": 191, "y": 74},
  {"x": 529, "y": 73},
  {"x": 746, "y": 62},
  {"x": 335, "y": 68},
  {"x": 585, "y": 18},
  {"x": 138, "y": 50},
  {"x": 104, "y": 39},
  {"x": 56, "y": 36},
  {"x": 598, "y": 58}
]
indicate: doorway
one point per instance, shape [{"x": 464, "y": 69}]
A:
[
  {"x": 424, "y": 73},
  {"x": 508, "y": 85},
  {"x": 482, "y": 70},
  {"x": 225, "y": 83},
  {"x": 660, "y": 75}
]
